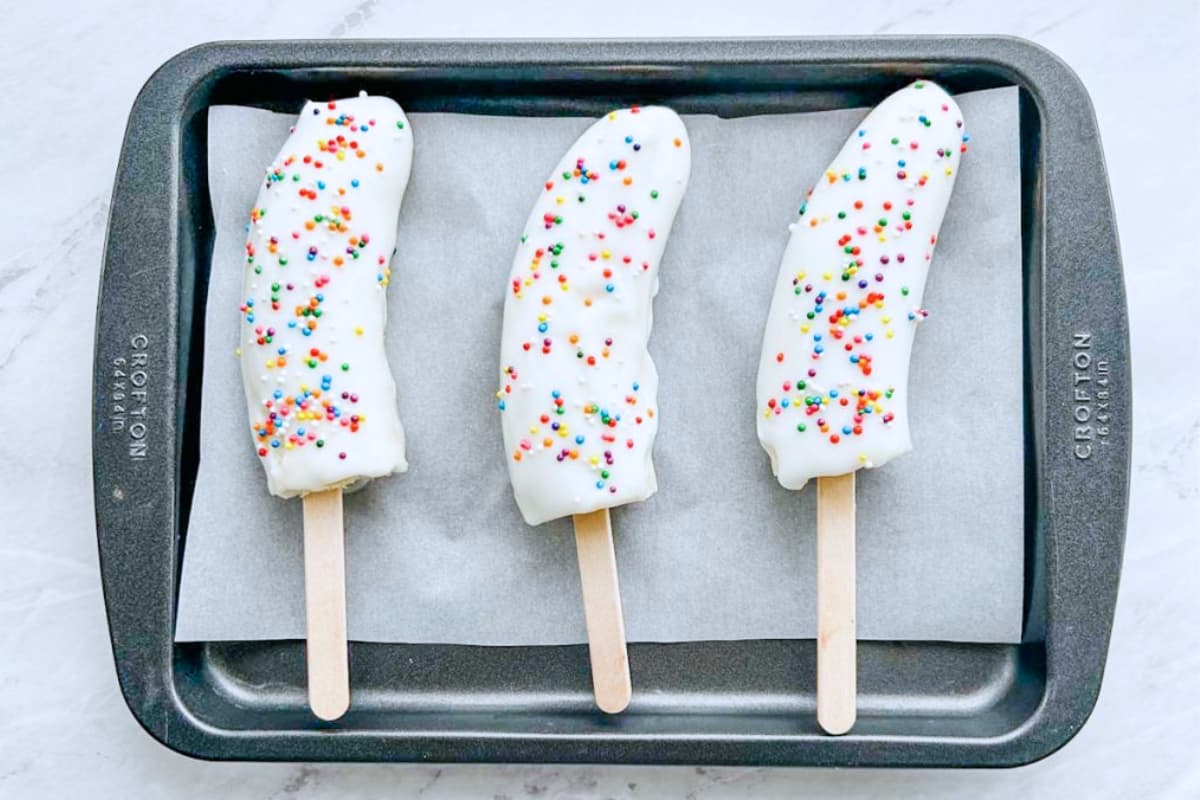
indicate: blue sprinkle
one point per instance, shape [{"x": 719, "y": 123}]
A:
[
  {"x": 306, "y": 331},
  {"x": 636, "y": 386},
  {"x": 292, "y": 323},
  {"x": 320, "y": 184},
  {"x": 785, "y": 402},
  {"x": 274, "y": 443},
  {"x": 818, "y": 349},
  {"x": 628, "y": 139},
  {"x": 846, "y": 429},
  {"x": 869, "y": 336},
  {"x": 555, "y": 394},
  {"x": 608, "y": 287},
  {"x": 281, "y": 350},
  {"x": 500, "y": 405},
  {"x": 966, "y": 138},
  {"x": 853, "y": 359},
  {"x": 542, "y": 327},
  {"x": 833, "y": 392},
  {"x": 612, "y": 165},
  {"x": 579, "y": 439},
  {"x": 599, "y": 484},
  {"x": 862, "y": 132},
  {"x": 901, "y": 163},
  {"x": 354, "y": 183},
  {"x": 278, "y": 393}
]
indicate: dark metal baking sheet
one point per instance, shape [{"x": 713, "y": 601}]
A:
[{"x": 922, "y": 704}]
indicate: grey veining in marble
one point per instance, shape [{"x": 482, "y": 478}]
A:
[{"x": 65, "y": 730}]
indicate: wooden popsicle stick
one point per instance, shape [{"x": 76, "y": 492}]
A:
[
  {"x": 837, "y": 667},
  {"x": 325, "y": 604},
  {"x": 602, "y": 611}
]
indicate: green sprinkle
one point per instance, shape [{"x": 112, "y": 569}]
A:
[
  {"x": 654, "y": 196},
  {"x": 320, "y": 442},
  {"x": 604, "y": 474},
  {"x": 345, "y": 367},
  {"x": 802, "y": 427},
  {"x": 400, "y": 124},
  {"x": 841, "y": 215},
  {"x": 904, "y": 291}
]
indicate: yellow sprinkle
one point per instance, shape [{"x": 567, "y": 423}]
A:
[
  {"x": 886, "y": 320},
  {"x": 358, "y": 331},
  {"x": 558, "y": 201},
  {"x": 605, "y": 254},
  {"x": 949, "y": 171},
  {"x": 612, "y": 116},
  {"x": 533, "y": 429},
  {"x": 828, "y": 276},
  {"x": 891, "y": 334},
  {"x": 767, "y": 414},
  {"x": 805, "y": 328},
  {"x": 862, "y": 458},
  {"x": 541, "y": 317},
  {"x": 238, "y": 352},
  {"x": 594, "y": 460},
  {"x": 287, "y": 445},
  {"x": 341, "y": 156}
]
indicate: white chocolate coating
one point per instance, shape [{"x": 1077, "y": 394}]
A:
[
  {"x": 319, "y": 391},
  {"x": 578, "y": 390},
  {"x": 833, "y": 378}
]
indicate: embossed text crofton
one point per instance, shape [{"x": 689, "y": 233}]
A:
[{"x": 748, "y": 702}]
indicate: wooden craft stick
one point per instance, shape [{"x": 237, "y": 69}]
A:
[
  {"x": 837, "y": 668},
  {"x": 325, "y": 604},
  {"x": 602, "y": 611}
]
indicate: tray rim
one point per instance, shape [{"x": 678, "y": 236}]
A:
[{"x": 1067, "y": 121}]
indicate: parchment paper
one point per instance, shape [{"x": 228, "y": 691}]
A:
[{"x": 440, "y": 554}]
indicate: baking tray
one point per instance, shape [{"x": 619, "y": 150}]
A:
[{"x": 749, "y": 702}]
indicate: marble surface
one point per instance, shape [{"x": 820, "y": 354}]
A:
[{"x": 66, "y": 731}]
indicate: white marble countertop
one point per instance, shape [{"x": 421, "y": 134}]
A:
[{"x": 66, "y": 731}]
